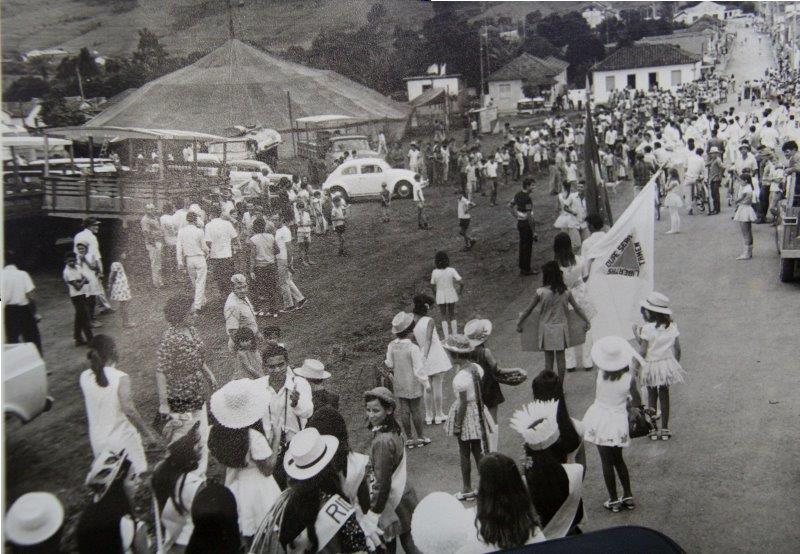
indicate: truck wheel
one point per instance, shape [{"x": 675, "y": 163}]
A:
[
  {"x": 403, "y": 189},
  {"x": 341, "y": 192},
  {"x": 787, "y": 270}
]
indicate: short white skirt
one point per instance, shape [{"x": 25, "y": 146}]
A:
[
  {"x": 605, "y": 426},
  {"x": 659, "y": 373},
  {"x": 745, "y": 214},
  {"x": 673, "y": 200}
]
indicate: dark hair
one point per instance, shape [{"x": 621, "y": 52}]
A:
[
  {"x": 303, "y": 505},
  {"x": 328, "y": 421},
  {"x": 177, "y": 308},
  {"x": 98, "y": 526},
  {"x": 661, "y": 320},
  {"x": 216, "y": 522},
  {"x": 504, "y": 516},
  {"x": 562, "y": 250},
  {"x": 527, "y": 183},
  {"x": 547, "y": 386},
  {"x": 230, "y": 446},
  {"x": 191, "y": 217},
  {"x": 594, "y": 221},
  {"x": 102, "y": 349},
  {"x": 614, "y": 375},
  {"x": 243, "y": 334},
  {"x": 272, "y": 350},
  {"x": 553, "y": 278},
  {"x": 789, "y": 145},
  {"x": 441, "y": 260},
  {"x": 390, "y": 424},
  {"x": 180, "y": 460},
  {"x": 259, "y": 226},
  {"x": 547, "y": 481},
  {"x": 422, "y": 304}
]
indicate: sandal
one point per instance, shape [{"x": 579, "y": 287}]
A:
[
  {"x": 464, "y": 496},
  {"x": 612, "y": 505},
  {"x": 411, "y": 444},
  {"x": 628, "y": 503},
  {"x": 424, "y": 441},
  {"x": 653, "y": 435},
  {"x": 665, "y": 435}
]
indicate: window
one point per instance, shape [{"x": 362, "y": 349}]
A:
[
  {"x": 505, "y": 90},
  {"x": 675, "y": 77},
  {"x": 610, "y": 83},
  {"x": 632, "y": 80},
  {"x": 371, "y": 169},
  {"x": 349, "y": 170},
  {"x": 427, "y": 87}
]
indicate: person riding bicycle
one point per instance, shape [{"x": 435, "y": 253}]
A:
[{"x": 695, "y": 174}]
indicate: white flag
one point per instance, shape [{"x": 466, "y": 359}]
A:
[{"x": 623, "y": 266}]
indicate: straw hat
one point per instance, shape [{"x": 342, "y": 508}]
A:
[
  {"x": 458, "y": 344},
  {"x": 440, "y": 523},
  {"x": 309, "y": 453},
  {"x": 33, "y": 518},
  {"x": 537, "y": 424},
  {"x": 657, "y": 302},
  {"x": 401, "y": 322},
  {"x": 613, "y": 353},
  {"x": 312, "y": 369},
  {"x": 478, "y": 331},
  {"x": 239, "y": 403},
  {"x": 382, "y": 393}
]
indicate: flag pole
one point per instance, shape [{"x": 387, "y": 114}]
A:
[{"x": 597, "y": 201}]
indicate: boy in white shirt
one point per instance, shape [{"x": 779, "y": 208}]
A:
[{"x": 464, "y": 220}]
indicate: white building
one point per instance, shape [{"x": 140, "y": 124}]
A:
[
  {"x": 712, "y": 9},
  {"x": 418, "y": 84},
  {"x": 597, "y": 12},
  {"x": 545, "y": 77},
  {"x": 643, "y": 67}
]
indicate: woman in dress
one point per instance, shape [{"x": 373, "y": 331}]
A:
[
  {"x": 606, "y": 421},
  {"x": 554, "y": 484},
  {"x": 504, "y": 519},
  {"x": 745, "y": 215},
  {"x": 119, "y": 289},
  {"x": 575, "y": 272},
  {"x": 445, "y": 280},
  {"x": 242, "y": 439},
  {"x": 435, "y": 361},
  {"x": 673, "y": 201},
  {"x": 469, "y": 420},
  {"x": 216, "y": 522},
  {"x": 114, "y": 422}
]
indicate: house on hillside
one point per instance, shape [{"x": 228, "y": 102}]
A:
[
  {"x": 597, "y": 12},
  {"x": 546, "y": 77},
  {"x": 417, "y": 84},
  {"x": 643, "y": 67},
  {"x": 711, "y": 9}
]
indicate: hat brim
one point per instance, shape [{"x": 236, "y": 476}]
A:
[
  {"x": 295, "y": 472},
  {"x": 614, "y": 363},
  {"x": 457, "y": 350},
  {"x": 308, "y": 375},
  {"x": 653, "y": 308},
  {"x": 239, "y": 419},
  {"x": 21, "y": 536}
]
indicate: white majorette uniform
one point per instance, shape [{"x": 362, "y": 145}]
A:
[
  {"x": 660, "y": 368},
  {"x": 745, "y": 212}
]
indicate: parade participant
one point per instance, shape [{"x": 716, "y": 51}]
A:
[
  {"x": 419, "y": 200},
  {"x": 118, "y": 288},
  {"x": 435, "y": 361},
  {"x": 320, "y": 223},
  {"x": 606, "y": 421},
  {"x": 263, "y": 265},
  {"x": 34, "y": 524},
  {"x": 547, "y": 386},
  {"x": 444, "y": 280},
  {"x": 339, "y": 221},
  {"x": 464, "y": 219},
  {"x": 293, "y": 299},
  {"x": 240, "y": 440},
  {"x": 393, "y": 499},
  {"x": 661, "y": 349},
  {"x": 191, "y": 251},
  {"x": 567, "y": 220},
  {"x": 554, "y": 485},
  {"x": 239, "y": 311},
  {"x": 114, "y": 422},
  {"x": 468, "y": 419},
  {"x": 404, "y": 360},
  {"x": 169, "y": 229},
  {"x": 772, "y": 182},
  {"x": 553, "y": 331},
  {"x": 386, "y": 202},
  {"x": 694, "y": 177},
  {"x": 94, "y": 288},
  {"x": 19, "y": 307},
  {"x": 504, "y": 516},
  {"x": 673, "y": 201},
  {"x": 181, "y": 375},
  {"x": 175, "y": 487},
  {"x": 413, "y": 157},
  {"x": 245, "y": 345},
  {"x": 441, "y": 524},
  {"x": 716, "y": 170},
  {"x": 88, "y": 236},
  {"x": 490, "y": 172},
  {"x": 521, "y": 207},
  {"x": 219, "y": 235},
  {"x": 216, "y": 522},
  {"x": 304, "y": 234},
  {"x": 109, "y": 524},
  {"x": 575, "y": 273},
  {"x": 77, "y": 286},
  {"x": 745, "y": 215},
  {"x": 314, "y": 372},
  {"x": 153, "y": 242}
]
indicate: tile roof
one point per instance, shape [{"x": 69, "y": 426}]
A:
[
  {"x": 528, "y": 68},
  {"x": 645, "y": 55}
]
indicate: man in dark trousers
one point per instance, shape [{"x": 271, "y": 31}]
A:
[{"x": 522, "y": 209}]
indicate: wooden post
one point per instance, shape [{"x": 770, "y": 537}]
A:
[
  {"x": 72, "y": 157},
  {"x": 224, "y": 153},
  {"x": 91, "y": 155},
  {"x": 121, "y": 190},
  {"x": 194, "y": 159},
  {"x": 130, "y": 154},
  {"x": 161, "y": 158},
  {"x": 291, "y": 122},
  {"x": 46, "y": 156},
  {"x": 17, "y": 178}
]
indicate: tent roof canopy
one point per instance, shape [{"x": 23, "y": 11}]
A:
[
  {"x": 322, "y": 118},
  {"x": 237, "y": 84},
  {"x": 122, "y": 133},
  {"x": 20, "y": 142}
]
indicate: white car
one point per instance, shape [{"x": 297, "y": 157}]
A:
[
  {"x": 362, "y": 177},
  {"x": 24, "y": 382},
  {"x": 241, "y": 171}
]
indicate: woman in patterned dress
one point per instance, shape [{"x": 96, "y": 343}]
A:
[{"x": 119, "y": 289}]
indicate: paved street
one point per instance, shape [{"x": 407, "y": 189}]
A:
[{"x": 728, "y": 481}]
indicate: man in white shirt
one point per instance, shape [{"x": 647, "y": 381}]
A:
[
  {"x": 293, "y": 299},
  {"x": 18, "y": 305},
  {"x": 153, "y": 242},
  {"x": 219, "y": 235},
  {"x": 769, "y": 136},
  {"x": 192, "y": 251},
  {"x": 694, "y": 177},
  {"x": 490, "y": 171},
  {"x": 169, "y": 228},
  {"x": 91, "y": 226},
  {"x": 413, "y": 157}
]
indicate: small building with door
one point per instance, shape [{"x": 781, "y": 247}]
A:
[
  {"x": 644, "y": 67},
  {"x": 527, "y": 76},
  {"x": 417, "y": 84}
]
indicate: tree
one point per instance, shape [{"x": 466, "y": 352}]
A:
[
  {"x": 25, "y": 88},
  {"x": 539, "y": 46},
  {"x": 86, "y": 64},
  {"x": 376, "y": 14},
  {"x": 150, "y": 55},
  {"x": 56, "y": 112}
]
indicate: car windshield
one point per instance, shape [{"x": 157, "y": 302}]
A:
[{"x": 350, "y": 144}]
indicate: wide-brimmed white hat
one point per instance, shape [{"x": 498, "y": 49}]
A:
[
  {"x": 309, "y": 453},
  {"x": 401, "y": 322},
  {"x": 537, "y": 423},
  {"x": 613, "y": 353},
  {"x": 440, "y": 523},
  {"x": 33, "y": 518},
  {"x": 656, "y": 302},
  {"x": 478, "y": 331},
  {"x": 312, "y": 369},
  {"x": 239, "y": 403},
  {"x": 458, "y": 344}
]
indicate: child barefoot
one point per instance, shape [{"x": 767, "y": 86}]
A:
[
  {"x": 444, "y": 280},
  {"x": 119, "y": 289}
]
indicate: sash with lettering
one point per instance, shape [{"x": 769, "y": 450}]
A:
[
  {"x": 560, "y": 524},
  {"x": 330, "y": 519},
  {"x": 623, "y": 266}
]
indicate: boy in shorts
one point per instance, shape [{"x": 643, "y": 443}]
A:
[
  {"x": 339, "y": 219},
  {"x": 304, "y": 233},
  {"x": 464, "y": 219}
]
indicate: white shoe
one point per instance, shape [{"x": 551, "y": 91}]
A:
[{"x": 429, "y": 421}]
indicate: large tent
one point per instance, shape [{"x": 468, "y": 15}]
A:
[{"x": 237, "y": 84}]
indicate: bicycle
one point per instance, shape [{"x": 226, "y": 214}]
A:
[{"x": 700, "y": 197}]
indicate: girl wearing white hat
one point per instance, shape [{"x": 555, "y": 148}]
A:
[
  {"x": 658, "y": 340},
  {"x": 606, "y": 421},
  {"x": 242, "y": 439}
]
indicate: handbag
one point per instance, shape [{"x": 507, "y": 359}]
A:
[
  {"x": 518, "y": 377},
  {"x": 639, "y": 423}
]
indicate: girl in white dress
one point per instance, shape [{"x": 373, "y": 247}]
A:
[
  {"x": 659, "y": 344},
  {"x": 445, "y": 280},
  {"x": 436, "y": 363},
  {"x": 241, "y": 441},
  {"x": 119, "y": 289},
  {"x": 114, "y": 422},
  {"x": 575, "y": 273},
  {"x": 673, "y": 201},
  {"x": 746, "y": 215},
  {"x": 567, "y": 220}
]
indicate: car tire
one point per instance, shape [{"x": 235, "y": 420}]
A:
[
  {"x": 340, "y": 191},
  {"x": 403, "y": 189},
  {"x": 787, "y": 270}
]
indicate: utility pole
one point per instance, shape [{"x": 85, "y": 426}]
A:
[
  {"x": 480, "y": 52},
  {"x": 230, "y": 21},
  {"x": 80, "y": 82}
]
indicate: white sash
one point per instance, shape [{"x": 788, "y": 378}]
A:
[
  {"x": 331, "y": 517},
  {"x": 561, "y": 522},
  {"x": 356, "y": 469},
  {"x": 395, "y": 494}
]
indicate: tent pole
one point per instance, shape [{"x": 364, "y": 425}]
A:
[
  {"x": 46, "y": 156},
  {"x": 130, "y": 154},
  {"x": 291, "y": 121},
  {"x": 161, "y": 170},
  {"x": 225, "y": 153},
  {"x": 17, "y": 178}
]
